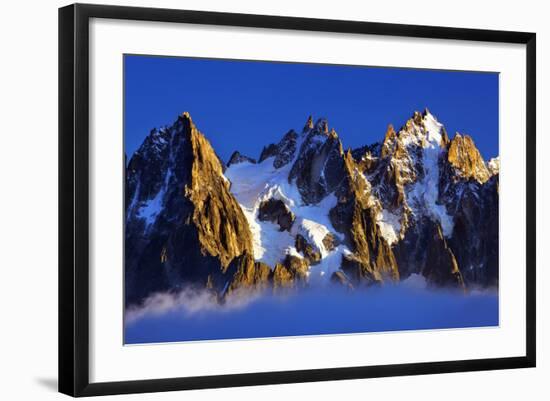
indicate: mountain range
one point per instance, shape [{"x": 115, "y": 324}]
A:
[{"x": 308, "y": 212}]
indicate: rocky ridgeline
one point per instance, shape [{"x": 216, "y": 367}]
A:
[{"x": 415, "y": 203}]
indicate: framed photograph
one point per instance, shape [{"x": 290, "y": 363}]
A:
[{"x": 249, "y": 199}]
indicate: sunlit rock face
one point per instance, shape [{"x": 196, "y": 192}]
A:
[
  {"x": 310, "y": 213},
  {"x": 466, "y": 159}
]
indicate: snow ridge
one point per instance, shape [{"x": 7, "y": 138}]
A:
[{"x": 423, "y": 195}]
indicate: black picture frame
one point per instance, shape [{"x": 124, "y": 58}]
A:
[{"x": 74, "y": 198}]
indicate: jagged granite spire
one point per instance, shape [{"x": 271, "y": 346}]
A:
[
  {"x": 309, "y": 124},
  {"x": 183, "y": 224},
  {"x": 466, "y": 159}
]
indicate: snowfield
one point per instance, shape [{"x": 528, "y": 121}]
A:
[
  {"x": 251, "y": 184},
  {"x": 422, "y": 196}
]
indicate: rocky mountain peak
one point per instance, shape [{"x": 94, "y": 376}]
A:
[
  {"x": 367, "y": 152},
  {"x": 493, "y": 166},
  {"x": 237, "y": 157},
  {"x": 321, "y": 126},
  {"x": 183, "y": 224},
  {"x": 423, "y": 129},
  {"x": 388, "y": 146},
  {"x": 282, "y": 152},
  {"x": 317, "y": 169},
  {"x": 418, "y": 117},
  {"x": 309, "y": 124},
  {"x": 464, "y": 156}
]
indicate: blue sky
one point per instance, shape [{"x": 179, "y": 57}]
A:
[{"x": 244, "y": 105}]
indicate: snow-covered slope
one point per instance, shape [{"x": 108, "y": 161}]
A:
[
  {"x": 423, "y": 195},
  {"x": 252, "y": 184}
]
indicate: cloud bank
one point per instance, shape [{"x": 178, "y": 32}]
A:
[{"x": 192, "y": 315}]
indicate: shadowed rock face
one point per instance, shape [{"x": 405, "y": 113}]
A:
[
  {"x": 471, "y": 190},
  {"x": 414, "y": 203},
  {"x": 268, "y": 151},
  {"x": 237, "y": 158},
  {"x": 373, "y": 150},
  {"x": 318, "y": 169},
  {"x": 441, "y": 268},
  {"x": 431, "y": 255},
  {"x": 277, "y": 212},
  {"x": 283, "y": 152},
  {"x": 476, "y": 233}
]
